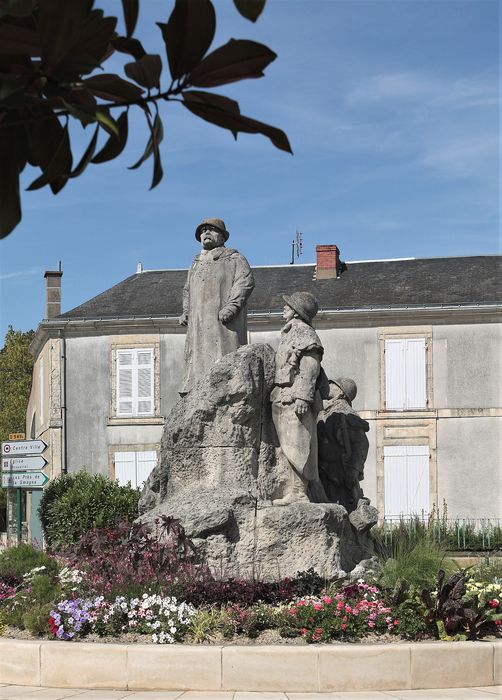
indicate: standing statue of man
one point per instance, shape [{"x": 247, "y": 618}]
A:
[
  {"x": 297, "y": 395},
  {"x": 343, "y": 445},
  {"x": 214, "y": 302}
]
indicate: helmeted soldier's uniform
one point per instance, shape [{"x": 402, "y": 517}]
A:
[{"x": 297, "y": 376}]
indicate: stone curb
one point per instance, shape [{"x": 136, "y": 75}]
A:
[{"x": 319, "y": 668}]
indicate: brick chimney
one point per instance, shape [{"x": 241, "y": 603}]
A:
[
  {"x": 328, "y": 262},
  {"x": 53, "y": 292}
]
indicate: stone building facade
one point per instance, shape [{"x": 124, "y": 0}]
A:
[{"x": 421, "y": 337}]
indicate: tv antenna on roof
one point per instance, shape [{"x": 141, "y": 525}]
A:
[{"x": 296, "y": 246}]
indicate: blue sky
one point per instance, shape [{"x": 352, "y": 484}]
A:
[{"x": 392, "y": 110}]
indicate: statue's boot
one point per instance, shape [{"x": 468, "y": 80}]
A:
[{"x": 297, "y": 492}]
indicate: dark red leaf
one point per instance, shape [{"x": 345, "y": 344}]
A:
[
  {"x": 60, "y": 24},
  {"x": 217, "y": 104},
  {"x": 129, "y": 45},
  {"x": 87, "y": 156},
  {"x": 15, "y": 40},
  {"x": 156, "y": 136},
  {"x": 131, "y": 9},
  {"x": 16, "y": 8},
  {"x": 10, "y": 201},
  {"x": 12, "y": 90},
  {"x": 13, "y": 155},
  {"x": 146, "y": 71},
  {"x": 236, "y": 60},
  {"x": 250, "y": 9},
  {"x": 222, "y": 114},
  {"x": 188, "y": 34},
  {"x": 110, "y": 87},
  {"x": 91, "y": 46},
  {"x": 115, "y": 145},
  {"x": 56, "y": 164}
]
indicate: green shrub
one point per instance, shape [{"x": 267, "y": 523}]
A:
[
  {"x": 31, "y": 606},
  {"x": 411, "y": 616},
  {"x": 19, "y": 560},
  {"x": 73, "y": 504}
]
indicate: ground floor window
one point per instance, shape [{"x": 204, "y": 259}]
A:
[
  {"x": 406, "y": 480},
  {"x": 134, "y": 467}
]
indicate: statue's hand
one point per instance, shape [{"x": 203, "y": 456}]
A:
[
  {"x": 226, "y": 315},
  {"x": 183, "y": 319},
  {"x": 301, "y": 407}
]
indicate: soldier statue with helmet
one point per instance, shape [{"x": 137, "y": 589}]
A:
[
  {"x": 299, "y": 387},
  {"x": 343, "y": 445}
]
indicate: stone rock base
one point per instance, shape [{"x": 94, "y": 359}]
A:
[{"x": 243, "y": 537}]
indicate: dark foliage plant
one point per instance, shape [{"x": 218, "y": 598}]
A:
[
  {"x": 449, "y": 616},
  {"x": 53, "y": 56},
  {"x": 132, "y": 555}
]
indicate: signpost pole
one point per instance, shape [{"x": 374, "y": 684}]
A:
[{"x": 18, "y": 508}]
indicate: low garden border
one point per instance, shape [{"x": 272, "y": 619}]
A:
[{"x": 313, "y": 668}]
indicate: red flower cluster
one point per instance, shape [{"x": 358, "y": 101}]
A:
[{"x": 53, "y": 626}]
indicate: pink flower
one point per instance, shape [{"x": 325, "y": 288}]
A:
[
  {"x": 344, "y": 627},
  {"x": 396, "y": 622},
  {"x": 339, "y": 605},
  {"x": 317, "y": 606},
  {"x": 327, "y": 599},
  {"x": 493, "y": 603},
  {"x": 371, "y": 623}
]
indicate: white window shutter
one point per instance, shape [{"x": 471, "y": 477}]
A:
[
  {"x": 406, "y": 480},
  {"x": 125, "y": 382},
  {"x": 395, "y": 374},
  {"x": 125, "y": 468},
  {"x": 145, "y": 404},
  {"x": 418, "y": 479},
  {"x": 145, "y": 462},
  {"x": 395, "y": 481},
  {"x": 415, "y": 373}
]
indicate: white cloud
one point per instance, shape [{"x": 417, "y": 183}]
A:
[{"x": 20, "y": 274}]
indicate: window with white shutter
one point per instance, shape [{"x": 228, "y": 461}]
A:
[
  {"x": 134, "y": 467},
  {"x": 406, "y": 480},
  {"x": 135, "y": 382},
  {"x": 405, "y": 374}
]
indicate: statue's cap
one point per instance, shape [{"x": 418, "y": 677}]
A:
[
  {"x": 348, "y": 386},
  {"x": 304, "y": 303},
  {"x": 218, "y": 224}
]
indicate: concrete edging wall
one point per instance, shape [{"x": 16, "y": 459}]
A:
[{"x": 316, "y": 668}]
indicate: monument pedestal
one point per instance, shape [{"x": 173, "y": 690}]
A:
[{"x": 220, "y": 470}]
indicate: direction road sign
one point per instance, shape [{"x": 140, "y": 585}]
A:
[
  {"x": 23, "y": 447},
  {"x": 23, "y": 464},
  {"x": 24, "y": 481}
]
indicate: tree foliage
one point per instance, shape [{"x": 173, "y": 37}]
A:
[
  {"x": 16, "y": 366},
  {"x": 52, "y": 58}
]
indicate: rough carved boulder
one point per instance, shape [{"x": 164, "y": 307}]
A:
[{"x": 221, "y": 467}]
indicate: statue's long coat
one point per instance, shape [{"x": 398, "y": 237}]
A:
[
  {"x": 218, "y": 279},
  {"x": 297, "y": 368}
]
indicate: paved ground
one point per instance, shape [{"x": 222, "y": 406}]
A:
[{"x": 18, "y": 692}]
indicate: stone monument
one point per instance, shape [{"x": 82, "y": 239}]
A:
[{"x": 238, "y": 461}]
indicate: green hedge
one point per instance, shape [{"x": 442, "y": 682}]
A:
[{"x": 75, "y": 503}]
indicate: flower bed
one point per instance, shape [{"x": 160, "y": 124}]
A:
[{"x": 123, "y": 580}]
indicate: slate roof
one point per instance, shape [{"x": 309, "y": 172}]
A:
[{"x": 378, "y": 284}]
